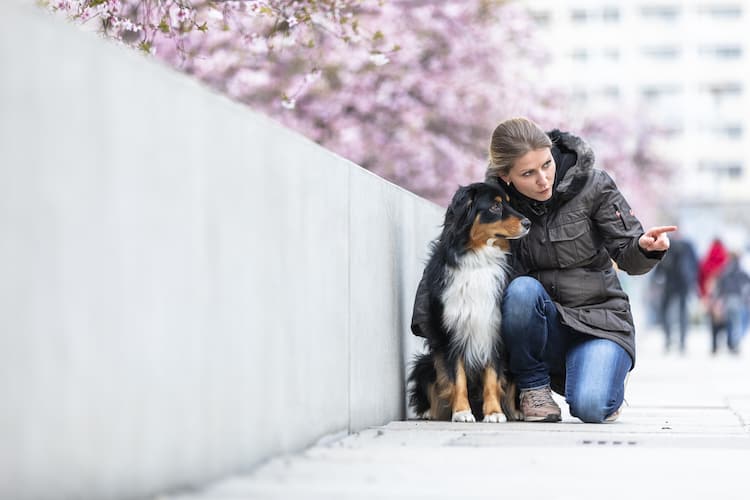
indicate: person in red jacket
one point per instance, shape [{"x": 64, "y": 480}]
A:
[{"x": 711, "y": 266}]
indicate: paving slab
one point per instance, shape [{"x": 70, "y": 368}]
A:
[{"x": 684, "y": 432}]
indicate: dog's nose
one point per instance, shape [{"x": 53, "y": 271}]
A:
[{"x": 526, "y": 223}]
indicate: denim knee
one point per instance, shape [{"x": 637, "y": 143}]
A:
[
  {"x": 521, "y": 296},
  {"x": 523, "y": 305},
  {"x": 590, "y": 407},
  {"x": 523, "y": 288}
]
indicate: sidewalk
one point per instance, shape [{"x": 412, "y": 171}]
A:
[{"x": 684, "y": 433}]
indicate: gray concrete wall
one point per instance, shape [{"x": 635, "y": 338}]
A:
[{"x": 186, "y": 287}]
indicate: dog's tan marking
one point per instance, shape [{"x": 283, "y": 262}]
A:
[
  {"x": 432, "y": 394},
  {"x": 440, "y": 393},
  {"x": 502, "y": 244},
  {"x": 481, "y": 233},
  {"x": 460, "y": 400},
  {"x": 492, "y": 392},
  {"x": 509, "y": 400}
]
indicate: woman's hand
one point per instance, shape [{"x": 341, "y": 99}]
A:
[{"x": 655, "y": 239}]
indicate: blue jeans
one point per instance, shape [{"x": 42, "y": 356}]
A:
[{"x": 538, "y": 345}]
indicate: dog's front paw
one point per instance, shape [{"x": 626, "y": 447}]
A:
[
  {"x": 494, "y": 418},
  {"x": 463, "y": 416}
]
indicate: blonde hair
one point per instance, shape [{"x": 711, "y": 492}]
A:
[{"x": 512, "y": 139}]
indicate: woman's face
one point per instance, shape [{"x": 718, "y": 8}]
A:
[{"x": 533, "y": 174}]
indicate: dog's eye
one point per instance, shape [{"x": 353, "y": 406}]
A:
[{"x": 496, "y": 208}]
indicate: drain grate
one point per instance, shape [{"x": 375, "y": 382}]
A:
[{"x": 605, "y": 442}]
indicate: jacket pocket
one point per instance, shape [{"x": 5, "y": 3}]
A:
[
  {"x": 607, "y": 320},
  {"x": 573, "y": 242}
]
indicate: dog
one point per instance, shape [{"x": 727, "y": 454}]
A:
[{"x": 462, "y": 376}]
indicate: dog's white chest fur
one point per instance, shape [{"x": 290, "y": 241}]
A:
[{"x": 472, "y": 306}]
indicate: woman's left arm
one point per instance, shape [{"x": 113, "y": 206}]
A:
[{"x": 634, "y": 250}]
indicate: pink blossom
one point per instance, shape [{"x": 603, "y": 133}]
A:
[
  {"x": 410, "y": 90},
  {"x": 379, "y": 59}
]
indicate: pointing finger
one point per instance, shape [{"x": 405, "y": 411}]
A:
[{"x": 658, "y": 230}]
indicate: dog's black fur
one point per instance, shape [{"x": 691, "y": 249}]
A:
[{"x": 463, "y": 354}]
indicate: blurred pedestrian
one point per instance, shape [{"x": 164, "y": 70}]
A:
[
  {"x": 677, "y": 274},
  {"x": 729, "y": 299},
  {"x": 711, "y": 266},
  {"x": 709, "y": 270}
]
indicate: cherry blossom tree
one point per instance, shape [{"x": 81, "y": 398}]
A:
[{"x": 410, "y": 89}]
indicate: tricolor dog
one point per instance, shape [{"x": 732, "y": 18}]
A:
[{"x": 462, "y": 376}]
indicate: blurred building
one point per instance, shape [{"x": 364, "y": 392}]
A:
[{"x": 684, "y": 65}]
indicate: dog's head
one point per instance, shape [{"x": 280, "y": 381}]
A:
[{"x": 479, "y": 216}]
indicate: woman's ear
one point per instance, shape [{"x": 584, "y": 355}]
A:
[{"x": 505, "y": 179}]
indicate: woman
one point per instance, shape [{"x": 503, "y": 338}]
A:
[{"x": 566, "y": 320}]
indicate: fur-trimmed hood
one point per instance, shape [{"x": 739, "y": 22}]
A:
[{"x": 574, "y": 159}]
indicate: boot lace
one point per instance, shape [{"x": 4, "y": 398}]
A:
[{"x": 539, "y": 398}]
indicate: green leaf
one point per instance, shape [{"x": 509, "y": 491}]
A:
[
  {"x": 145, "y": 46},
  {"x": 378, "y": 36},
  {"x": 163, "y": 26},
  {"x": 94, "y": 3},
  {"x": 203, "y": 27}
]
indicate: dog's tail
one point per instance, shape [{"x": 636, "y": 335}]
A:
[{"x": 421, "y": 377}]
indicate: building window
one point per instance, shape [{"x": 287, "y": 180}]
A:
[
  {"x": 733, "y": 131},
  {"x": 579, "y": 55},
  {"x": 671, "y": 128},
  {"x": 662, "y": 98},
  {"x": 611, "y": 92},
  {"x": 611, "y": 14},
  {"x": 727, "y": 130},
  {"x": 578, "y": 15},
  {"x": 664, "y": 13},
  {"x": 579, "y": 94},
  {"x": 721, "y": 51},
  {"x": 542, "y": 18},
  {"x": 611, "y": 54},
  {"x": 726, "y": 169},
  {"x": 724, "y": 90},
  {"x": 723, "y": 12},
  {"x": 662, "y": 53}
]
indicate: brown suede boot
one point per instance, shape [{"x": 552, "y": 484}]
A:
[{"x": 537, "y": 405}]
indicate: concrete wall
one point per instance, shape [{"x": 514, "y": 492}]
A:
[{"x": 186, "y": 287}]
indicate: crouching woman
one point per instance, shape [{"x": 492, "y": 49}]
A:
[{"x": 567, "y": 324}]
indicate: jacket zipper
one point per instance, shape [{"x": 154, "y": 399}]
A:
[{"x": 619, "y": 214}]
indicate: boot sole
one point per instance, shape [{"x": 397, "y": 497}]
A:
[{"x": 547, "y": 418}]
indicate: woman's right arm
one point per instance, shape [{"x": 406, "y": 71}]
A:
[{"x": 620, "y": 229}]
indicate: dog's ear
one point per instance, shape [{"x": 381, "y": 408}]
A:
[
  {"x": 458, "y": 218},
  {"x": 460, "y": 206}
]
